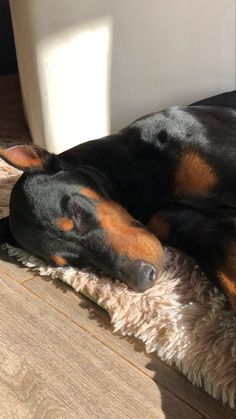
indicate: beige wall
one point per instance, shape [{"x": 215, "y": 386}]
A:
[{"x": 89, "y": 67}]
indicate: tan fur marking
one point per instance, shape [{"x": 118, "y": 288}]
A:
[
  {"x": 228, "y": 275},
  {"x": 159, "y": 226},
  {"x": 59, "y": 260},
  {"x": 65, "y": 224},
  {"x": 194, "y": 175},
  {"x": 89, "y": 193},
  {"x": 122, "y": 236},
  {"x": 229, "y": 286}
]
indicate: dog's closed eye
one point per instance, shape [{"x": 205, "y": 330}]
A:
[{"x": 82, "y": 211}]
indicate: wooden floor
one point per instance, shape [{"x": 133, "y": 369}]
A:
[{"x": 59, "y": 359}]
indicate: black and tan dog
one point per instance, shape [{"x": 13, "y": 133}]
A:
[{"x": 171, "y": 173}]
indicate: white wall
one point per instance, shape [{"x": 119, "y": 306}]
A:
[{"x": 89, "y": 67}]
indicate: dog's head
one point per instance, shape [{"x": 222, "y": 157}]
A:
[{"x": 65, "y": 216}]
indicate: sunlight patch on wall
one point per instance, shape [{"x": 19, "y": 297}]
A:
[{"x": 74, "y": 75}]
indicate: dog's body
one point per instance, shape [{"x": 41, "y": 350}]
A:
[{"x": 173, "y": 171}]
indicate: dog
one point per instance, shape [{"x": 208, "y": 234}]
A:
[{"x": 169, "y": 177}]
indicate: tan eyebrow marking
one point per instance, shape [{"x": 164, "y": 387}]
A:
[
  {"x": 89, "y": 193},
  {"x": 59, "y": 260},
  {"x": 194, "y": 175},
  {"x": 64, "y": 224}
]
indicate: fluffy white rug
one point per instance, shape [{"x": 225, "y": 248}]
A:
[{"x": 182, "y": 318}]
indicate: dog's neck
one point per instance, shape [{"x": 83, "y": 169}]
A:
[{"x": 132, "y": 169}]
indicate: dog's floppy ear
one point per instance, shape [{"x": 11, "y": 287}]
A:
[
  {"x": 25, "y": 157},
  {"x": 5, "y": 232}
]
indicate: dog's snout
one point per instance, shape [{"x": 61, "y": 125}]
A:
[{"x": 146, "y": 275}]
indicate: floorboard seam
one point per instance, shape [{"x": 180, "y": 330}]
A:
[{"x": 106, "y": 345}]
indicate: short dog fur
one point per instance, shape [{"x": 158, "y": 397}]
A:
[{"x": 169, "y": 177}]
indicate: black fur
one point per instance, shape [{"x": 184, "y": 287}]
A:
[{"x": 136, "y": 168}]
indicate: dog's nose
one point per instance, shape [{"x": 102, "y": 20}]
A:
[{"x": 146, "y": 275}]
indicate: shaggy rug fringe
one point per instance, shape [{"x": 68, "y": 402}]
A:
[{"x": 182, "y": 318}]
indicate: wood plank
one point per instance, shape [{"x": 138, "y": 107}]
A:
[
  {"x": 10, "y": 268},
  {"x": 92, "y": 318},
  {"x": 51, "y": 367}
]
